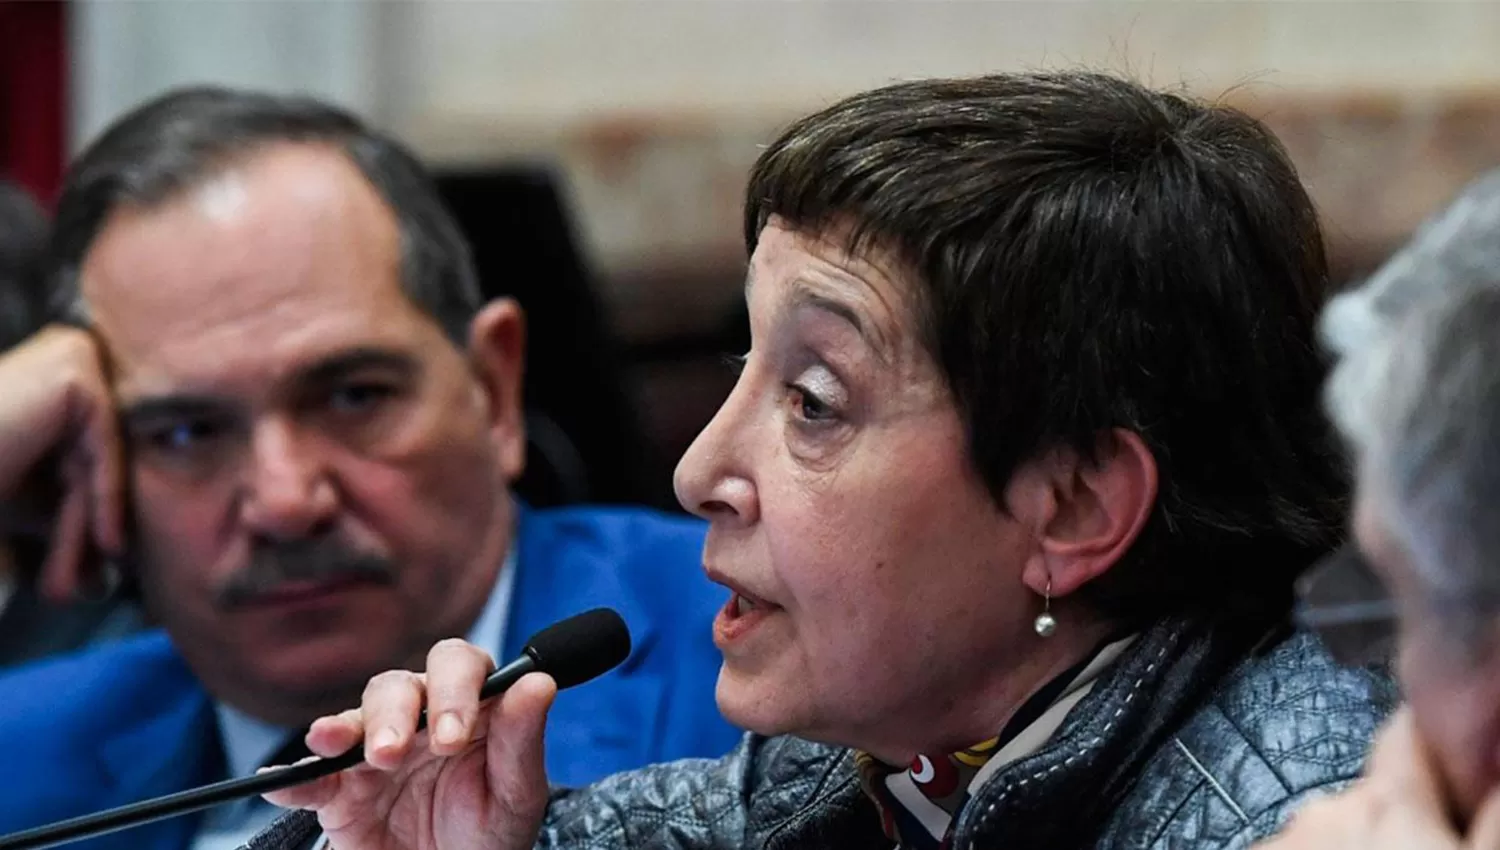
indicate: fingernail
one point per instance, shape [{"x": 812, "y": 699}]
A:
[
  {"x": 450, "y": 729},
  {"x": 385, "y": 738}
]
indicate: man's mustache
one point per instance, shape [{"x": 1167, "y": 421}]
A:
[{"x": 319, "y": 559}]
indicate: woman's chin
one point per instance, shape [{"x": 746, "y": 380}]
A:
[{"x": 759, "y": 704}]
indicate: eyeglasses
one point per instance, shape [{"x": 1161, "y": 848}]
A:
[{"x": 1344, "y": 602}]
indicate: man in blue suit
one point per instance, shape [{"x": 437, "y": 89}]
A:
[{"x": 277, "y": 404}]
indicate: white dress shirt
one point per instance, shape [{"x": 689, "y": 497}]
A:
[{"x": 249, "y": 742}]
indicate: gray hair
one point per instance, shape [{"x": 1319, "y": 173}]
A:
[{"x": 1416, "y": 392}]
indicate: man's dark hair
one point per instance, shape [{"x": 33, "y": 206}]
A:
[
  {"x": 1090, "y": 254},
  {"x": 181, "y": 138},
  {"x": 23, "y": 241}
]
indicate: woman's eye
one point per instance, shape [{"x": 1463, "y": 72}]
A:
[{"x": 809, "y": 406}]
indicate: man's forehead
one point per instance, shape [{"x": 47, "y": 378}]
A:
[
  {"x": 269, "y": 259},
  {"x": 261, "y": 328},
  {"x": 222, "y": 196},
  {"x": 269, "y": 215}
]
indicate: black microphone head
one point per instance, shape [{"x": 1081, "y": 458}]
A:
[{"x": 581, "y": 647}]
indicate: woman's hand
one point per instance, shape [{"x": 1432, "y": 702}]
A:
[{"x": 475, "y": 780}]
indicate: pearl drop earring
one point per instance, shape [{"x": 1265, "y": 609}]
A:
[{"x": 1045, "y": 623}]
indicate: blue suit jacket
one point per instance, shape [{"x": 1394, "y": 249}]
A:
[{"x": 127, "y": 721}]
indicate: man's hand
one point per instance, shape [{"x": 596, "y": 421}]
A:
[
  {"x": 55, "y": 404},
  {"x": 1398, "y": 805},
  {"x": 475, "y": 780}
]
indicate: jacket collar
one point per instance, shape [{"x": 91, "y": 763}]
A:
[
  {"x": 1101, "y": 749},
  {"x": 171, "y": 750}
]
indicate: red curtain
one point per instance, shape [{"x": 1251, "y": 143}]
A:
[{"x": 33, "y": 94}]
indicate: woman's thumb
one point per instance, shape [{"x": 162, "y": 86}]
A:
[{"x": 515, "y": 759}]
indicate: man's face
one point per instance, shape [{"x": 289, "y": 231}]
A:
[
  {"x": 1453, "y": 687},
  {"x": 318, "y": 474}
]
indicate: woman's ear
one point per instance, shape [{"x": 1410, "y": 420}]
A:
[{"x": 1091, "y": 512}]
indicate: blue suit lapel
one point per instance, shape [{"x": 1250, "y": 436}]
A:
[
  {"x": 169, "y": 752},
  {"x": 608, "y": 724}
]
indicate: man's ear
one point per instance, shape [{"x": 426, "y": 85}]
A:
[
  {"x": 497, "y": 353},
  {"x": 1086, "y": 515}
]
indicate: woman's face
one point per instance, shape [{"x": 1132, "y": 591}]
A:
[{"x": 874, "y": 577}]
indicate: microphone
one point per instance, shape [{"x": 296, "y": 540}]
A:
[{"x": 571, "y": 651}]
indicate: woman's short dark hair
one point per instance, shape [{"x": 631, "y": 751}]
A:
[
  {"x": 175, "y": 141},
  {"x": 1091, "y": 254}
]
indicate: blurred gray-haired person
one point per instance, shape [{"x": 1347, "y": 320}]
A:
[{"x": 1416, "y": 393}]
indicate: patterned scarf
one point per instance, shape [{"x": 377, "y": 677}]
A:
[{"x": 919, "y": 805}]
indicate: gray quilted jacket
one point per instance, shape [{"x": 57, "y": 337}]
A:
[{"x": 1198, "y": 738}]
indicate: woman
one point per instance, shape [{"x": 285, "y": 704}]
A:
[{"x": 1010, "y": 495}]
